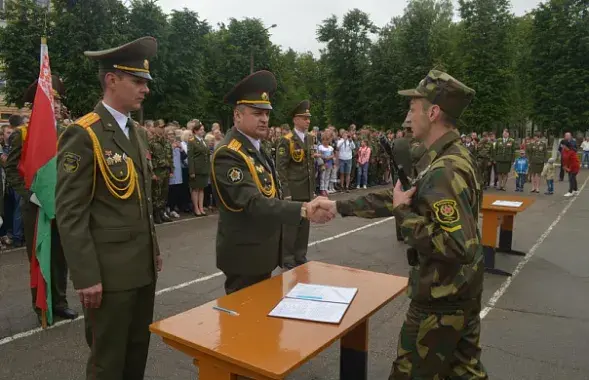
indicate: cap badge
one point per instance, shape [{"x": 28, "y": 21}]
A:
[
  {"x": 265, "y": 96},
  {"x": 146, "y": 64}
]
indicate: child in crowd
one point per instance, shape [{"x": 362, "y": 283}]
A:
[
  {"x": 520, "y": 166},
  {"x": 327, "y": 156},
  {"x": 572, "y": 165},
  {"x": 548, "y": 173},
  {"x": 363, "y": 162}
]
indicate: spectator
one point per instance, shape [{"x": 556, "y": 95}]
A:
[
  {"x": 567, "y": 138},
  {"x": 521, "y": 166},
  {"x": 199, "y": 167},
  {"x": 571, "y": 164},
  {"x": 363, "y": 162},
  {"x": 549, "y": 173},
  {"x": 326, "y": 167},
  {"x": 345, "y": 148},
  {"x": 585, "y": 148}
]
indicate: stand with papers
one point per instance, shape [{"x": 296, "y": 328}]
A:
[
  {"x": 500, "y": 207},
  {"x": 234, "y": 335},
  {"x": 317, "y": 303}
]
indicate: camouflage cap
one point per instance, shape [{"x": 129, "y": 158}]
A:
[{"x": 440, "y": 88}]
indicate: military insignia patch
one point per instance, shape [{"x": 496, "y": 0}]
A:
[
  {"x": 71, "y": 162},
  {"x": 235, "y": 175},
  {"x": 446, "y": 212},
  {"x": 281, "y": 151},
  {"x": 260, "y": 169}
]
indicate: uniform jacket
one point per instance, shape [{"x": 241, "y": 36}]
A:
[
  {"x": 504, "y": 151},
  {"x": 441, "y": 224},
  {"x": 296, "y": 166},
  {"x": 161, "y": 154},
  {"x": 105, "y": 239},
  {"x": 251, "y": 213},
  {"x": 199, "y": 162},
  {"x": 484, "y": 150},
  {"x": 537, "y": 151}
]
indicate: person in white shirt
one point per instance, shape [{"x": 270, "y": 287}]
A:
[
  {"x": 345, "y": 149},
  {"x": 585, "y": 148}
]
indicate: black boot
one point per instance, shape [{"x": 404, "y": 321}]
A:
[
  {"x": 157, "y": 218},
  {"x": 164, "y": 217}
]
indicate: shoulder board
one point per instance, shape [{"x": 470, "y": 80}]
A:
[
  {"x": 288, "y": 136},
  {"x": 234, "y": 145},
  {"x": 23, "y": 132},
  {"x": 87, "y": 120},
  {"x": 191, "y": 139}
]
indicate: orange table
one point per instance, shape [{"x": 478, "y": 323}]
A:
[
  {"x": 254, "y": 345},
  {"x": 491, "y": 216}
]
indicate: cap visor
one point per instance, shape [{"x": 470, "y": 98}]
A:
[
  {"x": 261, "y": 106},
  {"x": 412, "y": 93},
  {"x": 138, "y": 74},
  {"x": 303, "y": 114}
]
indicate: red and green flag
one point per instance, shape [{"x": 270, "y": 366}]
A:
[{"x": 39, "y": 168}]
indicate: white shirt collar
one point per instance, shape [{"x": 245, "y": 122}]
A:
[
  {"x": 255, "y": 143},
  {"x": 300, "y": 134},
  {"x": 120, "y": 118}
]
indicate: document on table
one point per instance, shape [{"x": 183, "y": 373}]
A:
[
  {"x": 318, "y": 303},
  {"x": 322, "y": 293},
  {"x": 507, "y": 203},
  {"x": 317, "y": 311}
]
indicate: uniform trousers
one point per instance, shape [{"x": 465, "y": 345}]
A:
[
  {"x": 118, "y": 334},
  {"x": 235, "y": 282}
]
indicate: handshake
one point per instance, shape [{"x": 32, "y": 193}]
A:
[{"x": 321, "y": 210}]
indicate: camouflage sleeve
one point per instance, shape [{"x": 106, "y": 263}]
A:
[
  {"x": 282, "y": 159},
  {"x": 445, "y": 227},
  {"x": 373, "y": 205},
  {"x": 13, "y": 176},
  {"x": 237, "y": 192}
]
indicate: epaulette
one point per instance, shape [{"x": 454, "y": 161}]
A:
[
  {"x": 87, "y": 120},
  {"x": 234, "y": 145},
  {"x": 191, "y": 139},
  {"x": 288, "y": 136},
  {"x": 23, "y": 131}
]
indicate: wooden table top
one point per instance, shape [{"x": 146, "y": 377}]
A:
[
  {"x": 488, "y": 200},
  {"x": 273, "y": 346}
]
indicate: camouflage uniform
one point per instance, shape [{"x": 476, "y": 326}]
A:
[
  {"x": 161, "y": 159},
  {"x": 373, "y": 166},
  {"x": 440, "y": 336},
  {"x": 484, "y": 153}
]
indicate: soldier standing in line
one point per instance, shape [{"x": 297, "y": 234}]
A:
[
  {"x": 537, "y": 152},
  {"x": 504, "y": 155},
  {"x": 439, "y": 217},
  {"x": 29, "y": 210},
  {"x": 251, "y": 211},
  {"x": 484, "y": 153},
  {"x": 103, "y": 201},
  {"x": 161, "y": 159},
  {"x": 296, "y": 170}
]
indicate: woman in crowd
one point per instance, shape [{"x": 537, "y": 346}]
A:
[{"x": 199, "y": 167}]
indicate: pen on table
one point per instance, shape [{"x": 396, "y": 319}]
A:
[
  {"x": 225, "y": 310},
  {"x": 310, "y": 297}
]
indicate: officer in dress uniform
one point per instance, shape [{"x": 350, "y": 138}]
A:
[
  {"x": 296, "y": 171},
  {"x": 103, "y": 201},
  {"x": 29, "y": 209},
  {"x": 251, "y": 211}
]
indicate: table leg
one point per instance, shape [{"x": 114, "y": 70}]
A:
[
  {"x": 209, "y": 371},
  {"x": 354, "y": 353},
  {"x": 506, "y": 236},
  {"x": 490, "y": 225}
]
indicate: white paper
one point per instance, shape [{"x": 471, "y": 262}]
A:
[
  {"x": 507, "y": 203},
  {"x": 322, "y": 293},
  {"x": 308, "y": 310}
]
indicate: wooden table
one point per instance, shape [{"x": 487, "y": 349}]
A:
[
  {"x": 254, "y": 345},
  {"x": 491, "y": 216}
]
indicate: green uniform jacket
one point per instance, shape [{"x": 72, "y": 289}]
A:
[
  {"x": 105, "y": 239},
  {"x": 198, "y": 157},
  {"x": 537, "y": 152},
  {"x": 296, "y": 167},
  {"x": 250, "y": 213},
  {"x": 484, "y": 150},
  {"x": 504, "y": 151},
  {"x": 441, "y": 224},
  {"x": 13, "y": 177}
]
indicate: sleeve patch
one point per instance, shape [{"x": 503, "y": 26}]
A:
[
  {"x": 446, "y": 212},
  {"x": 235, "y": 175},
  {"x": 71, "y": 162}
]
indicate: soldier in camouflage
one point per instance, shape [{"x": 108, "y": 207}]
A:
[
  {"x": 438, "y": 216},
  {"x": 484, "y": 153},
  {"x": 163, "y": 167}
]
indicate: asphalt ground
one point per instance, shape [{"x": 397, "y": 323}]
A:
[{"x": 534, "y": 327}]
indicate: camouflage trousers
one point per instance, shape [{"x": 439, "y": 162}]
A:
[
  {"x": 439, "y": 345},
  {"x": 485, "y": 170},
  {"x": 160, "y": 189}
]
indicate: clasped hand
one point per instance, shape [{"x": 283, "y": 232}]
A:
[{"x": 321, "y": 210}]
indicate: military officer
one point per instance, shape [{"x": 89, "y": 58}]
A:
[
  {"x": 296, "y": 172},
  {"x": 103, "y": 201},
  {"x": 29, "y": 210},
  {"x": 503, "y": 156},
  {"x": 484, "y": 152},
  {"x": 251, "y": 211},
  {"x": 438, "y": 216},
  {"x": 537, "y": 152},
  {"x": 163, "y": 167}
]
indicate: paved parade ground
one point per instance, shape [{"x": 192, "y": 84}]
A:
[{"x": 535, "y": 326}]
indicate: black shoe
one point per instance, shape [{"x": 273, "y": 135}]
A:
[
  {"x": 65, "y": 313},
  {"x": 157, "y": 218},
  {"x": 164, "y": 217}
]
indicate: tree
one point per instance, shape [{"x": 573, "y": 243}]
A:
[
  {"x": 486, "y": 26},
  {"x": 20, "y": 43},
  {"x": 346, "y": 58}
]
